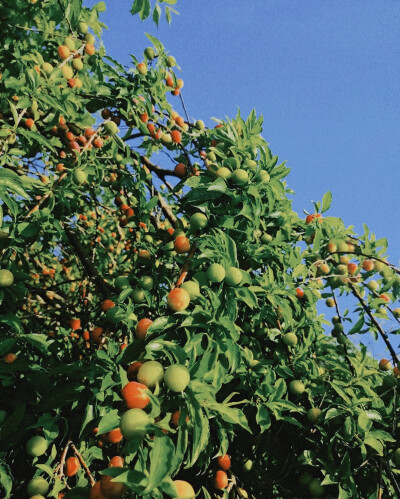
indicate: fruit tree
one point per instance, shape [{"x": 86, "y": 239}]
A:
[{"x": 159, "y": 330}]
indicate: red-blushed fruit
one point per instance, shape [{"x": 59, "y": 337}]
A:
[
  {"x": 178, "y": 299},
  {"x": 368, "y": 265},
  {"x": 396, "y": 372},
  {"x": 220, "y": 480},
  {"x": 142, "y": 327},
  {"x": 95, "y": 492},
  {"x": 180, "y": 170},
  {"x": 95, "y": 335},
  {"x": 224, "y": 462},
  {"x": 63, "y": 51},
  {"x": 385, "y": 365},
  {"x": 384, "y": 297},
  {"x": 176, "y": 136},
  {"x": 113, "y": 436},
  {"x": 112, "y": 490},
  {"x": 75, "y": 324},
  {"x": 175, "y": 418},
  {"x": 116, "y": 462},
  {"x": 9, "y": 358},
  {"x": 142, "y": 68},
  {"x": 184, "y": 490},
  {"x": 72, "y": 466},
  {"x": 331, "y": 247},
  {"x": 89, "y": 132},
  {"x": 107, "y": 304},
  {"x": 135, "y": 395},
  {"x": 181, "y": 245},
  {"x": 299, "y": 293},
  {"x": 98, "y": 142},
  {"x": 133, "y": 369},
  {"x": 29, "y": 123},
  {"x": 352, "y": 268},
  {"x": 89, "y": 49}
]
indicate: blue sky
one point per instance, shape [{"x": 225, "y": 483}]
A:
[{"x": 325, "y": 76}]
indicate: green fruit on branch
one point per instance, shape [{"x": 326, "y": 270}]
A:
[
  {"x": 223, "y": 172},
  {"x": 138, "y": 295},
  {"x": 79, "y": 177},
  {"x": 289, "y": 339},
  {"x": 192, "y": 288},
  {"x": 146, "y": 282},
  {"x": 134, "y": 423},
  {"x": 149, "y": 53},
  {"x": 233, "y": 276},
  {"x": 216, "y": 272},
  {"x": 314, "y": 415},
  {"x": 122, "y": 282},
  {"x": 240, "y": 177},
  {"x": 6, "y": 278},
  {"x": 38, "y": 485},
  {"x": 36, "y": 446},
  {"x": 110, "y": 127},
  {"x": 296, "y": 387},
  {"x": 150, "y": 373},
  {"x": 198, "y": 221},
  {"x": 177, "y": 377},
  {"x": 265, "y": 238}
]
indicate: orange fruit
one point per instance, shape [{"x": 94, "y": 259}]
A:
[
  {"x": 181, "y": 245},
  {"x": 135, "y": 395},
  {"x": 114, "y": 436},
  {"x": 220, "y": 480},
  {"x": 224, "y": 462},
  {"x": 178, "y": 299},
  {"x": 72, "y": 466},
  {"x": 107, "y": 304},
  {"x": 63, "y": 51},
  {"x": 116, "y": 462},
  {"x": 142, "y": 327}
]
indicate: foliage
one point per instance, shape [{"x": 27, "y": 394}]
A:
[{"x": 88, "y": 249}]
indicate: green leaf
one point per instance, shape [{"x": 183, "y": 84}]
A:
[
  {"x": 109, "y": 422},
  {"x": 375, "y": 444},
  {"x": 161, "y": 459},
  {"x": 326, "y": 201},
  {"x": 137, "y": 6},
  {"x": 5, "y": 481},
  {"x": 37, "y": 137},
  {"x": 229, "y": 414}
]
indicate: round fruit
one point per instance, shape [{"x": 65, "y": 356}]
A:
[
  {"x": 89, "y": 38},
  {"x": 220, "y": 480},
  {"x": 77, "y": 64},
  {"x": 115, "y": 315},
  {"x": 296, "y": 387},
  {"x": 314, "y": 415},
  {"x": 82, "y": 27},
  {"x": 315, "y": 488},
  {"x": 110, "y": 127},
  {"x": 47, "y": 68},
  {"x": 107, "y": 304},
  {"x": 79, "y": 177},
  {"x": 138, "y": 295},
  {"x": 63, "y": 52},
  {"x": 233, "y": 276},
  {"x": 6, "y": 278},
  {"x": 265, "y": 238},
  {"x": 181, "y": 245},
  {"x": 133, "y": 424},
  {"x": 223, "y": 172},
  {"x": 142, "y": 327},
  {"x": 150, "y": 53},
  {"x": 330, "y": 302},
  {"x": 224, "y": 462},
  {"x": 178, "y": 299},
  {"x": 121, "y": 282},
  {"x": 146, "y": 282},
  {"x": 38, "y": 485},
  {"x": 385, "y": 365},
  {"x": 183, "y": 490},
  {"x": 247, "y": 465},
  {"x": 177, "y": 377},
  {"x": 36, "y": 446},
  {"x": 193, "y": 288},
  {"x": 198, "y": 221},
  {"x": 116, "y": 462},
  {"x": 150, "y": 373},
  {"x": 396, "y": 313},
  {"x": 216, "y": 272},
  {"x": 135, "y": 395},
  {"x": 67, "y": 72},
  {"x": 199, "y": 125},
  {"x": 113, "y": 436},
  {"x": 72, "y": 466},
  {"x": 263, "y": 176},
  {"x": 251, "y": 164},
  {"x": 110, "y": 489},
  {"x": 372, "y": 285},
  {"x": 240, "y": 177},
  {"x": 171, "y": 62},
  {"x": 289, "y": 339}
]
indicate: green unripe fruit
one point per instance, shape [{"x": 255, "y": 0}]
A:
[
  {"x": 338, "y": 327},
  {"x": 6, "y": 278},
  {"x": 396, "y": 313},
  {"x": 330, "y": 302},
  {"x": 37, "y": 485},
  {"x": 115, "y": 315},
  {"x": 396, "y": 456},
  {"x": 171, "y": 62},
  {"x": 379, "y": 266},
  {"x": 192, "y": 288},
  {"x": 266, "y": 238},
  {"x": 199, "y": 125},
  {"x": 247, "y": 465},
  {"x": 36, "y": 446},
  {"x": 315, "y": 488},
  {"x": 166, "y": 138},
  {"x": 79, "y": 177},
  {"x": 314, "y": 415},
  {"x": 335, "y": 319},
  {"x": 82, "y": 27},
  {"x": 133, "y": 424},
  {"x": 47, "y": 68},
  {"x": 296, "y": 387},
  {"x": 110, "y": 127},
  {"x": 231, "y": 163},
  {"x": 216, "y": 272},
  {"x": 77, "y": 64},
  {"x": 211, "y": 156},
  {"x": 289, "y": 339},
  {"x": 150, "y": 373},
  {"x": 89, "y": 38},
  {"x": 38, "y": 496},
  {"x": 233, "y": 276},
  {"x": 146, "y": 282},
  {"x": 341, "y": 339},
  {"x": 177, "y": 377},
  {"x": 341, "y": 269},
  {"x": 223, "y": 172},
  {"x": 138, "y": 295},
  {"x": 240, "y": 177},
  {"x": 263, "y": 176},
  {"x": 121, "y": 282},
  {"x": 305, "y": 479},
  {"x": 67, "y": 72},
  {"x": 34, "y": 107},
  {"x": 251, "y": 164},
  {"x": 69, "y": 42},
  {"x": 342, "y": 247},
  {"x": 150, "y": 53},
  {"x": 198, "y": 221}
]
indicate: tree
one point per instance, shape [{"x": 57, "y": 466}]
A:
[{"x": 159, "y": 331}]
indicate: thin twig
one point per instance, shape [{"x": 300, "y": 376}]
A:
[
  {"x": 185, "y": 268},
  {"x": 84, "y": 465}
]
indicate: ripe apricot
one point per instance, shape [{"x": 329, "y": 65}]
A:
[
  {"x": 224, "y": 462},
  {"x": 114, "y": 436},
  {"x": 116, "y": 462},
  {"x": 331, "y": 247},
  {"x": 176, "y": 136},
  {"x": 178, "y": 299},
  {"x": 385, "y": 365},
  {"x": 63, "y": 51},
  {"x": 29, "y": 123},
  {"x": 133, "y": 369},
  {"x": 72, "y": 466},
  {"x": 181, "y": 245},
  {"x": 135, "y": 395},
  {"x": 75, "y": 324},
  {"x": 107, "y": 304},
  {"x": 142, "y": 327},
  {"x": 368, "y": 265},
  {"x": 142, "y": 68},
  {"x": 98, "y": 143},
  {"x": 352, "y": 268},
  {"x": 184, "y": 489},
  {"x": 299, "y": 293},
  {"x": 175, "y": 418},
  {"x": 89, "y": 49},
  {"x": 110, "y": 489},
  {"x": 385, "y": 297},
  {"x": 9, "y": 358},
  {"x": 220, "y": 480}
]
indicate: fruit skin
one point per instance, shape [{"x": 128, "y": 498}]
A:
[
  {"x": 177, "y": 377},
  {"x": 112, "y": 490},
  {"x": 199, "y": 125},
  {"x": 116, "y": 462},
  {"x": 37, "y": 485},
  {"x": 107, "y": 304},
  {"x": 372, "y": 285},
  {"x": 181, "y": 245},
  {"x": 146, "y": 282},
  {"x": 233, "y": 276},
  {"x": 265, "y": 238},
  {"x": 240, "y": 177},
  {"x": 224, "y": 462},
  {"x": 110, "y": 127},
  {"x": 220, "y": 480},
  {"x": 289, "y": 339},
  {"x": 184, "y": 490},
  {"x": 36, "y": 446},
  {"x": 385, "y": 365},
  {"x": 330, "y": 302},
  {"x": 142, "y": 68},
  {"x": 247, "y": 465},
  {"x": 113, "y": 436},
  {"x": 47, "y": 68},
  {"x": 296, "y": 387},
  {"x": 178, "y": 299},
  {"x": 6, "y": 278},
  {"x": 138, "y": 296},
  {"x": 79, "y": 177},
  {"x": 315, "y": 488},
  {"x": 198, "y": 221},
  {"x": 314, "y": 415},
  {"x": 135, "y": 395},
  {"x": 150, "y": 373},
  {"x": 72, "y": 466},
  {"x": 368, "y": 265},
  {"x": 396, "y": 313},
  {"x": 63, "y": 51},
  {"x": 192, "y": 288},
  {"x": 121, "y": 282},
  {"x": 82, "y": 27},
  {"x": 149, "y": 53},
  {"x": 95, "y": 492},
  {"x": 216, "y": 272},
  {"x": 142, "y": 327},
  {"x": 133, "y": 424}
]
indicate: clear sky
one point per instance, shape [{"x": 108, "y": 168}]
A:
[{"x": 324, "y": 74}]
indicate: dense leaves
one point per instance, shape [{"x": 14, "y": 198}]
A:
[{"x": 161, "y": 317}]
